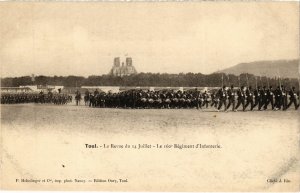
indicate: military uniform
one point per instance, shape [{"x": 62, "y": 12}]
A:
[
  {"x": 263, "y": 98},
  {"x": 293, "y": 98},
  {"x": 241, "y": 98},
  {"x": 284, "y": 98},
  {"x": 78, "y": 97},
  {"x": 249, "y": 98},
  {"x": 231, "y": 98},
  {"x": 205, "y": 99},
  {"x": 223, "y": 97},
  {"x": 270, "y": 98},
  {"x": 214, "y": 100},
  {"x": 257, "y": 98},
  {"x": 278, "y": 96}
]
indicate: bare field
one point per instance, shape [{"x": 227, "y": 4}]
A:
[{"x": 255, "y": 146}]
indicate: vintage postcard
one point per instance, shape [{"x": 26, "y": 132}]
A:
[{"x": 150, "y": 96}]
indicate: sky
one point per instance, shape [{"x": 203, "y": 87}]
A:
[{"x": 82, "y": 38}]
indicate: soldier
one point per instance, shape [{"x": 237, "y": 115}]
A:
[
  {"x": 223, "y": 97},
  {"x": 77, "y": 97},
  {"x": 50, "y": 93},
  {"x": 284, "y": 98},
  {"x": 198, "y": 98},
  {"x": 278, "y": 96},
  {"x": 205, "y": 99},
  {"x": 42, "y": 97},
  {"x": 231, "y": 98},
  {"x": 270, "y": 98},
  {"x": 214, "y": 99},
  {"x": 96, "y": 92},
  {"x": 87, "y": 98},
  {"x": 241, "y": 98},
  {"x": 134, "y": 98},
  {"x": 249, "y": 98},
  {"x": 50, "y": 96},
  {"x": 263, "y": 98},
  {"x": 257, "y": 98},
  {"x": 92, "y": 102},
  {"x": 293, "y": 98}
]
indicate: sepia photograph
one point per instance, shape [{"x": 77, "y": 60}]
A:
[{"x": 153, "y": 96}]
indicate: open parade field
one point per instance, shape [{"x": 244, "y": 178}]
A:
[{"x": 48, "y": 141}]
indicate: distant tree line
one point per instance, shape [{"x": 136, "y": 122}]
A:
[{"x": 152, "y": 79}]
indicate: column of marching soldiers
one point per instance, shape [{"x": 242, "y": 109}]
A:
[
  {"x": 243, "y": 98},
  {"x": 43, "y": 98}
]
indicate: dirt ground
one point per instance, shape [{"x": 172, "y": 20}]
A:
[{"x": 48, "y": 142}]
